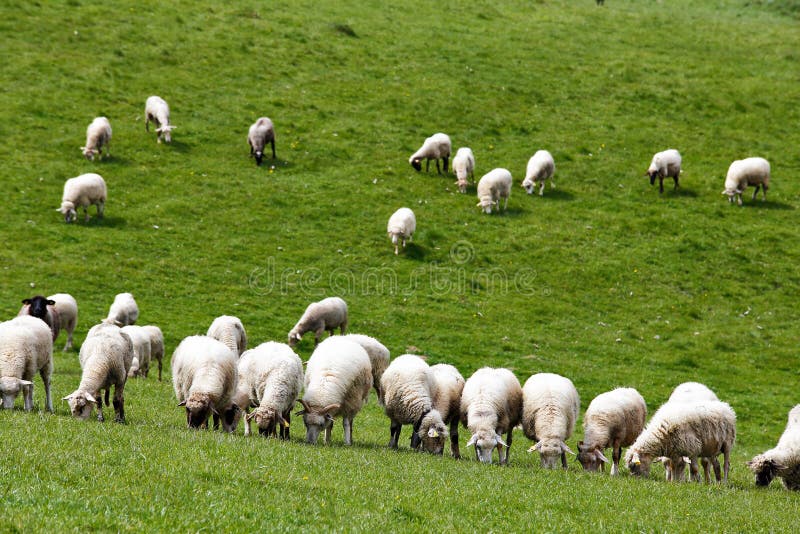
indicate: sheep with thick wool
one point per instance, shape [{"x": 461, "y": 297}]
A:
[
  {"x": 743, "y": 173},
  {"x": 81, "y": 192},
  {"x": 493, "y": 187},
  {"x": 447, "y": 401},
  {"x": 229, "y": 330},
  {"x": 464, "y": 167},
  {"x": 142, "y": 352},
  {"x": 378, "y": 359},
  {"x": 26, "y": 347},
  {"x": 436, "y": 147},
  {"x": 550, "y": 405},
  {"x": 325, "y": 315},
  {"x": 783, "y": 460},
  {"x": 156, "y": 345},
  {"x": 156, "y": 109},
  {"x": 666, "y": 164},
  {"x": 261, "y": 132},
  {"x": 43, "y": 308},
  {"x": 123, "y": 310},
  {"x": 401, "y": 227},
  {"x": 66, "y": 309},
  {"x": 541, "y": 168},
  {"x": 98, "y": 135}
]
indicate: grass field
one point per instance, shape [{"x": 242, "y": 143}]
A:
[{"x": 602, "y": 280}]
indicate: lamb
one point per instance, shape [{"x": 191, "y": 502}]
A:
[
  {"x": 746, "y": 172},
  {"x": 140, "y": 338},
  {"x": 402, "y": 225},
  {"x": 541, "y": 168},
  {"x": 337, "y": 382},
  {"x": 229, "y": 330},
  {"x": 447, "y": 401},
  {"x": 327, "y": 314},
  {"x": 550, "y": 405},
  {"x": 378, "y": 359},
  {"x": 464, "y": 166},
  {"x": 435, "y": 147},
  {"x": 83, "y": 191},
  {"x": 491, "y": 404},
  {"x": 156, "y": 345},
  {"x": 157, "y": 110},
  {"x": 493, "y": 187},
  {"x": 666, "y": 164},
  {"x": 784, "y": 459},
  {"x": 204, "y": 376},
  {"x": 613, "y": 419},
  {"x": 98, "y": 134},
  {"x": 123, "y": 311},
  {"x": 26, "y": 346},
  {"x": 261, "y": 132}
]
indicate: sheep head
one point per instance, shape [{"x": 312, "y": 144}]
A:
[
  {"x": 267, "y": 418},
  {"x": 10, "y": 387},
  {"x": 417, "y": 164},
  {"x": 550, "y": 450},
  {"x": 198, "y": 410},
  {"x": 37, "y": 306},
  {"x": 486, "y": 204},
  {"x": 764, "y": 469},
  {"x": 638, "y": 463},
  {"x": 67, "y": 209},
  {"x": 591, "y": 458},
  {"x": 485, "y": 442},
  {"x": 81, "y": 404},
  {"x": 294, "y": 338},
  {"x": 529, "y": 186},
  {"x": 433, "y": 433},
  {"x": 164, "y": 131},
  {"x": 89, "y": 153},
  {"x": 317, "y": 420}
]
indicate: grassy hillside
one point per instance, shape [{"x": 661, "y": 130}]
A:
[{"x": 602, "y": 280}]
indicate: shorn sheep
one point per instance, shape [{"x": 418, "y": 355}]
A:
[
  {"x": 666, "y": 164},
  {"x": 746, "y": 172},
  {"x": 325, "y": 315},
  {"x": 98, "y": 135},
  {"x": 229, "y": 330},
  {"x": 337, "y": 382},
  {"x": 261, "y": 132},
  {"x": 378, "y": 359},
  {"x": 782, "y": 461},
  {"x": 493, "y": 187},
  {"x": 436, "y": 147},
  {"x": 156, "y": 345},
  {"x": 157, "y": 110},
  {"x": 401, "y": 227},
  {"x": 464, "y": 167},
  {"x": 491, "y": 404},
  {"x": 447, "y": 401},
  {"x": 123, "y": 310},
  {"x": 550, "y": 406},
  {"x": 26, "y": 347},
  {"x": 613, "y": 419},
  {"x": 81, "y": 192},
  {"x": 541, "y": 168}
]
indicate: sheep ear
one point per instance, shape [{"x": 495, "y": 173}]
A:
[
  {"x": 472, "y": 441},
  {"x": 635, "y": 460},
  {"x": 499, "y": 439},
  {"x": 25, "y": 382},
  {"x": 181, "y": 403},
  {"x": 90, "y": 398},
  {"x": 329, "y": 408},
  {"x": 538, "y": 446},
  {"x": 283, "y": 421},
  {"x": 600, "y": 455},
  {"x": 68, "y": 397},
  {"x": 26, "y": 301},
  {"x": 686, "y": 460},
  {"x": 432, "y": 433},
  {"x": 565, "y": 448},
  {"x": 51, "y": 302}
]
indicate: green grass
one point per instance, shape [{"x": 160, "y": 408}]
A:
[{"x": 602, "y": 280}]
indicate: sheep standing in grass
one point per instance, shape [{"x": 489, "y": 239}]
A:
[
  {"x": 435, "y": 147},
  {"x": 402, "y": 225},
  {"x": 229, "y": 330},
  {"x": 83, "y": 191},
  {"x": 327, "y": 314},
  {"x": 98, "y": 135},
  {"x": 746, "y": 172},
  {"x": 550, "y": 406},
  {"x": 261, "y": 132},
  {"x": 493, "y": 187},
  {"x": 337, "y": 382},
  {"x": 613, "y": 419},
  {"x": 26, "y": 347},
  {"x": 123, "y": 310},
  {"x": 378, "y": 359},
  {"x": 783, "y": 460},
  {"x": 157, "y": 110},
  {"x": 491, "y": 404},
  {"x": 156, "y": 345},
  {"x": 541, "y": 168},
  {"x": 447, "y": 401},
  {"x": 674, "y": 468},
  {"x": 464, "y": 167},
  {"x": 66, "y": 308},
  {"x": 666, "y": 164},
  {"x": 140, "y": 338}
]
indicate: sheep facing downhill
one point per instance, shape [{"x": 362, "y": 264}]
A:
[
  {"x": 98, "y": 135},
  {"x": 782, "y": 461},
  {"x": 26, "y": 347},
  {"x": 378, "y": 359},
  {"x": 156, "y": 109},
  {"x": 402, "y": 225},
  {"x": 435, "y": 147},
  {"x": 746, "y": 172},
  {"x": 123, "y": 310},
  {"x": 666, "y": 164},
  {"x": 325, "y": 315},
  {"x": 229, "y": 330},
  {"x": 541, "y": 168},
  {"x": 550, "y": 405},
  {"x": 261, "y": 132},
  {"x": 81, "y": 192},
  {"x": 464, "y": 167},
  {"x": 446, "y": 401},
  {"x": 493, "y": 187}
]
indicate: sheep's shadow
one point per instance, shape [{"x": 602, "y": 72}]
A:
[
  {"x": 413, "y": 251},
  {"x": 681, "y": 192},
  {"x": 104, "y": 222},
  {"x": 556, "y": 194},
  {"x": 178, "y": 146},
  {"x": 769, "y": 205}
]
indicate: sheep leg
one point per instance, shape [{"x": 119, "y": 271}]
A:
[
  {"x": 500, "y": 451},
  {"x": 216, "y": 421},
  {"x": 273, "y": 148},
  {"x": 615, "y": 457},
  {"x": 46, "y": 372},
  {"x": 245, "y": 421},
  {"x": 541, "y": 190},
  {"x": 416, "y": 441},
  {"x": 86, "y": 213},
  {"x": 427, "y": 165},
  {"x": 147, "y": 123},
  {"x": 508, "y": 442},
  {"x": 564, "y": 460},
  {"x": 694, "y": 470},
  {"x": 438, "y": 170},
  {"x": 69, "y": 341},
  {"x": 119, "y": 404},
  {"x": 159, "y": 369},
  {"x": 347, "y": 423},
  {"x": 27, "y": 396},
  {"x": 715, "y": 463},
  {"x": 343, "y": 328},
  {"x": 394, "y": 434},
  {"x": 328, "y": 435},
  {"x": 755, "y": 193},
  {"x": 100, "y": 416},
  {"x": 446, "y": 161},
  {"x": 660, "y": 184},
  {"x": 454, "y": 440},
  {"x": 727, "y": 466},
  {"x": 676, "y": 182}
]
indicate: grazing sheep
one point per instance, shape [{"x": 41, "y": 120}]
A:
[
  {"x": 550, "y": 405},
  {"x": 337, "y": 382},
  {"x": 327, "y": 314},
  {"x": 447, "y": 401},
  {"x": 493, "y": 187},
  {"x": 26, "y": 346},
  {"x": 229, "y": 330},
  {"x": 743, "y": 173},
  {"x": 783, "y": 460},
  {"x": 464, "y": 167},
  {"x": 261, "y": 133},
  {"x": 613, "y": 419},
  {"x": 666, "y": 164},
  {"x": 402, "y": 225},
  {"x": 157, "y": 110},
  {"x": 43, "y": 308},
  {"x": 204, "y": 377},
  {"x": 66, "y": 309},
  {"x": 140, "y": 338},
  {"x": 123, "y": 311},
  {"x": 98, "y": 134},
  {"x": 541, "y": 168},
  {"x": 156, "y": 345},
  {"x": 690, "y": 392},
  {"x": 83, "y": 191},
  {"x": 435, "y": 147},
  {"x": 491, "y": 404},
  {"x": 378, "y": 359}
]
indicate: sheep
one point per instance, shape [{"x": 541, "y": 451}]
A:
[
  {"x": 261, "y": 132},
  {"x": 402, "y": 225},
  {"x": 493, "y": 187},
  {"x": 327, "y": 314},
  {"x": 229, "y": 330},
  {"x": 140, "y": 338},
  {"x": 666, "y": 164},
  {"x": 83, "y": 191},
  {"x": 123, "y": 310},
  {"x": 156, "y": 345},
  {"x": 464, "y": 166},
  {"x": 491, "y": 404},
  {"x": 613, "y": 419},
  {"x": 784, "y": 459},
  {"x": 447, "y": 401},
  {"x": 157, "y": 110},
  {"x": 435, "y": 147},
  {"x": 378, "y": 359},
  {"x": 689, "y": 392},
  {"x": 66, "y": 308},
  {"x": 337, "y": 382},
  {"x": 550, "y": 405},
  {"x": 743, "y": 173},
  {"x": 541, "y": 168},
  {"x": 204, "y": 377},
  {"x": 26, "y": 346},
  {"x": 98, "y": 134},
  {"x": 43, "y": 308},
  {"x": 678, "y": 429}
]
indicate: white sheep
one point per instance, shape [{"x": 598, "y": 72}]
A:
[
  {"x": 491, "y": 404},
  {"x": 746, "y": 172},
  {"x": 783, "y": 460},
  {"x": 613, "y": 419},
  {"x": 157, "y": 110},
  {"x": 378, "y": 359},
  {"x": 401, "y": 227},
  {"x": 204, "y": 376},
  {"x": 464, "y": 167},
  {"x": 435, "y": 147},
  {"x": 447, "y": 401},
  {"x": 541, "y": 168},
  {"x": 666, "y": 164},
  {"x": 156, "y": 345},
  {"x": 229, "y": 330},
  {"x": 66, "y": 308},
  {"x": 98, "y": 134},
  {"x": 140, "y": 338},
  {"x": 123, "y": 310},
  {"x": 26, "y": 347},
  {"x": 337, "y": 382},
  {"x": 83, "y": 191},
  {"x": 550, "y": 405},
  {"x": 325, "y": 315},
  {"x": 493, "y": 187},
  {"x": 261, "y": 132}
]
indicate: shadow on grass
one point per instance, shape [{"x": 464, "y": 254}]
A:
[
  {"x": 557, "y": 194},
  {"x": 769, "y": 205},
  {"x": 681, "y": 192},
  {"x": 105, "y": 222},
  {"x": 414, "y": 252},
  {"x": 178, "y": 146}
]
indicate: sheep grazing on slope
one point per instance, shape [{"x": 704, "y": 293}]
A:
[
  {"x": 156, "y": 345},
  {"x": 26, "y": 347},
  {"x": 157, "y": 110},
  {"x": 435, "y": 147},
  {"x": 378, "y": 359},
  {"x": 66, "y": 308},
  {"x": 464, "y": 167},
  {"x": 550, "y": 406},
  {"x": 402, "y": 225},
  {"x": 98, "y": 134},
  {"x": 541, "y": 168},
  {"x": 261, "y": 132},
  {"x": 493, "y": 187},
  {"x": 491, "y": 404},
  {"x": 746, "y": 172},
  {"x": 337, "y": 382},
  {"x": 666, "y": 164},
  {"x": 229, "y": 330},
  {"x": 613, "y": 419},
  {"x": 140, "y": 339},
  {"x": 83, "y": 191},
  {"x": 123, "y": 310},
  {"x": 447, "y": 401},
  {"x": 783, "y": 460},
  {"x": 325, "y": 315}
]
